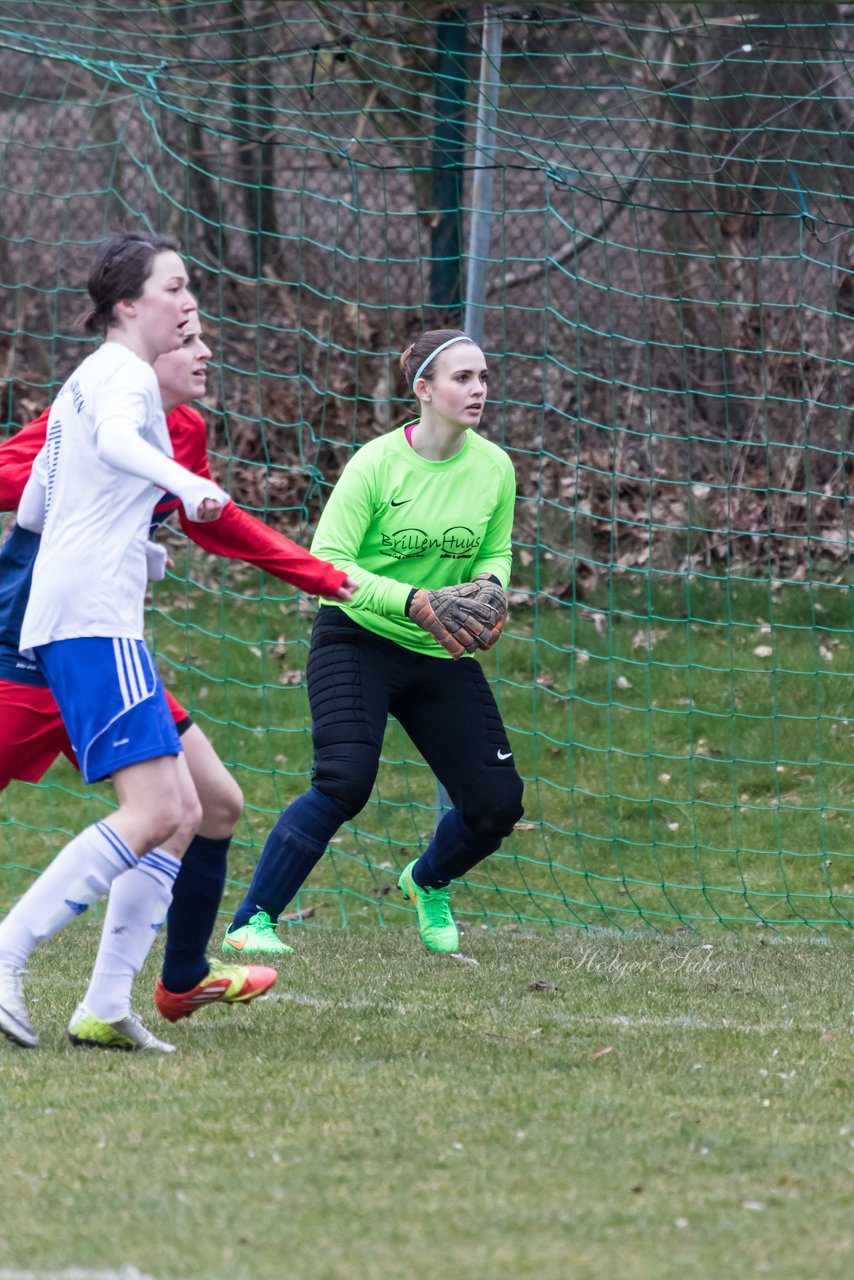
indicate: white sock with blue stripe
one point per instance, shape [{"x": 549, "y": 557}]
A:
[
  {"x": 79, "y": 875},
  {"x": 137, "y": 907}
]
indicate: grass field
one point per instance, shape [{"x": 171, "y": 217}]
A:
[
  {"x": 662, "y": 1092},
  {"x": 576, "y": 1105}
]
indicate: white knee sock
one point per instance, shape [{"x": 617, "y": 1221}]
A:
[
  {"x": 79, "y": 874},
  {"x": 136, "y": 909}
]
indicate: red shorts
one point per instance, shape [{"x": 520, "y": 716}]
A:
[{"x": 32, "y": 734}]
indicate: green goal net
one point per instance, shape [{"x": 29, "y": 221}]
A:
[{"x": 646, "y": 211}]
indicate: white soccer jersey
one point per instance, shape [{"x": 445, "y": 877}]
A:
[{"x": 90, "y": 573}]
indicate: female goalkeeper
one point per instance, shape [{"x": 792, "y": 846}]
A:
[{"x": 423, "y": 518}]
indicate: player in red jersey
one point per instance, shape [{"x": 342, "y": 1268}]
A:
[{"x": 32, "y": 733}]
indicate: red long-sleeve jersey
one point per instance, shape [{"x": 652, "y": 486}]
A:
[{"x": 236, "y": 534}]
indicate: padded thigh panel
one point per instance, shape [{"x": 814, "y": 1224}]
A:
[{"x": 349, "y": 713}]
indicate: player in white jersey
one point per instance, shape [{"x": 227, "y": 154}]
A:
[
  {"x": 108, "y": 415},
  {"x": 107, "y": 459}
]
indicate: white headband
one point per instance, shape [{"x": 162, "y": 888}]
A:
[{"x": 460, "y": 337}]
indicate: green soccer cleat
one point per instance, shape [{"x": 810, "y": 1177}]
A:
[
  {"x": 436, "y": 925},
  {"x": 257, "y": 937},
  {"x": 125, "y": 1034}
]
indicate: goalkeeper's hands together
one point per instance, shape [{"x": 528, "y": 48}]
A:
[{"x": 463, "y": 618}]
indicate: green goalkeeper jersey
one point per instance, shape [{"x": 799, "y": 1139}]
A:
[{"x": 395, "y": 521}]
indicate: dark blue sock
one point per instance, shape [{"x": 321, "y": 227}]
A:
[
  {"x": 453, "y": 851},
  {"x": 294, "y": 847},
  {"x": 196, "y": 896}
]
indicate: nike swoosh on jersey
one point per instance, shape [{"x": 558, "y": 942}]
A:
[
  {"x": 401, "y": 503},
  {"x": 503, "y": 756}
]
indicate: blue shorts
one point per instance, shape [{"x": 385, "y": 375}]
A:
[{"x": 112, "y": 700}]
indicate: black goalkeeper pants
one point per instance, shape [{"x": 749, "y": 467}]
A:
[{"x": 356, "y": 679}]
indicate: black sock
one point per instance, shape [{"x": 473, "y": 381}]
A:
[
  {"x": 294, "y": 847},
  {"x": 196, "y": 896},
  {"x": 453, "y": 851}
]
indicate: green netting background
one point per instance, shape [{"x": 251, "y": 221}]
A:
[{"x": 667, "y": 312}]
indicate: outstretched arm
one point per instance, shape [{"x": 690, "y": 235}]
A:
[
  {"x": 119, "y": 445},
  {"x": 237, "y": 535}
]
